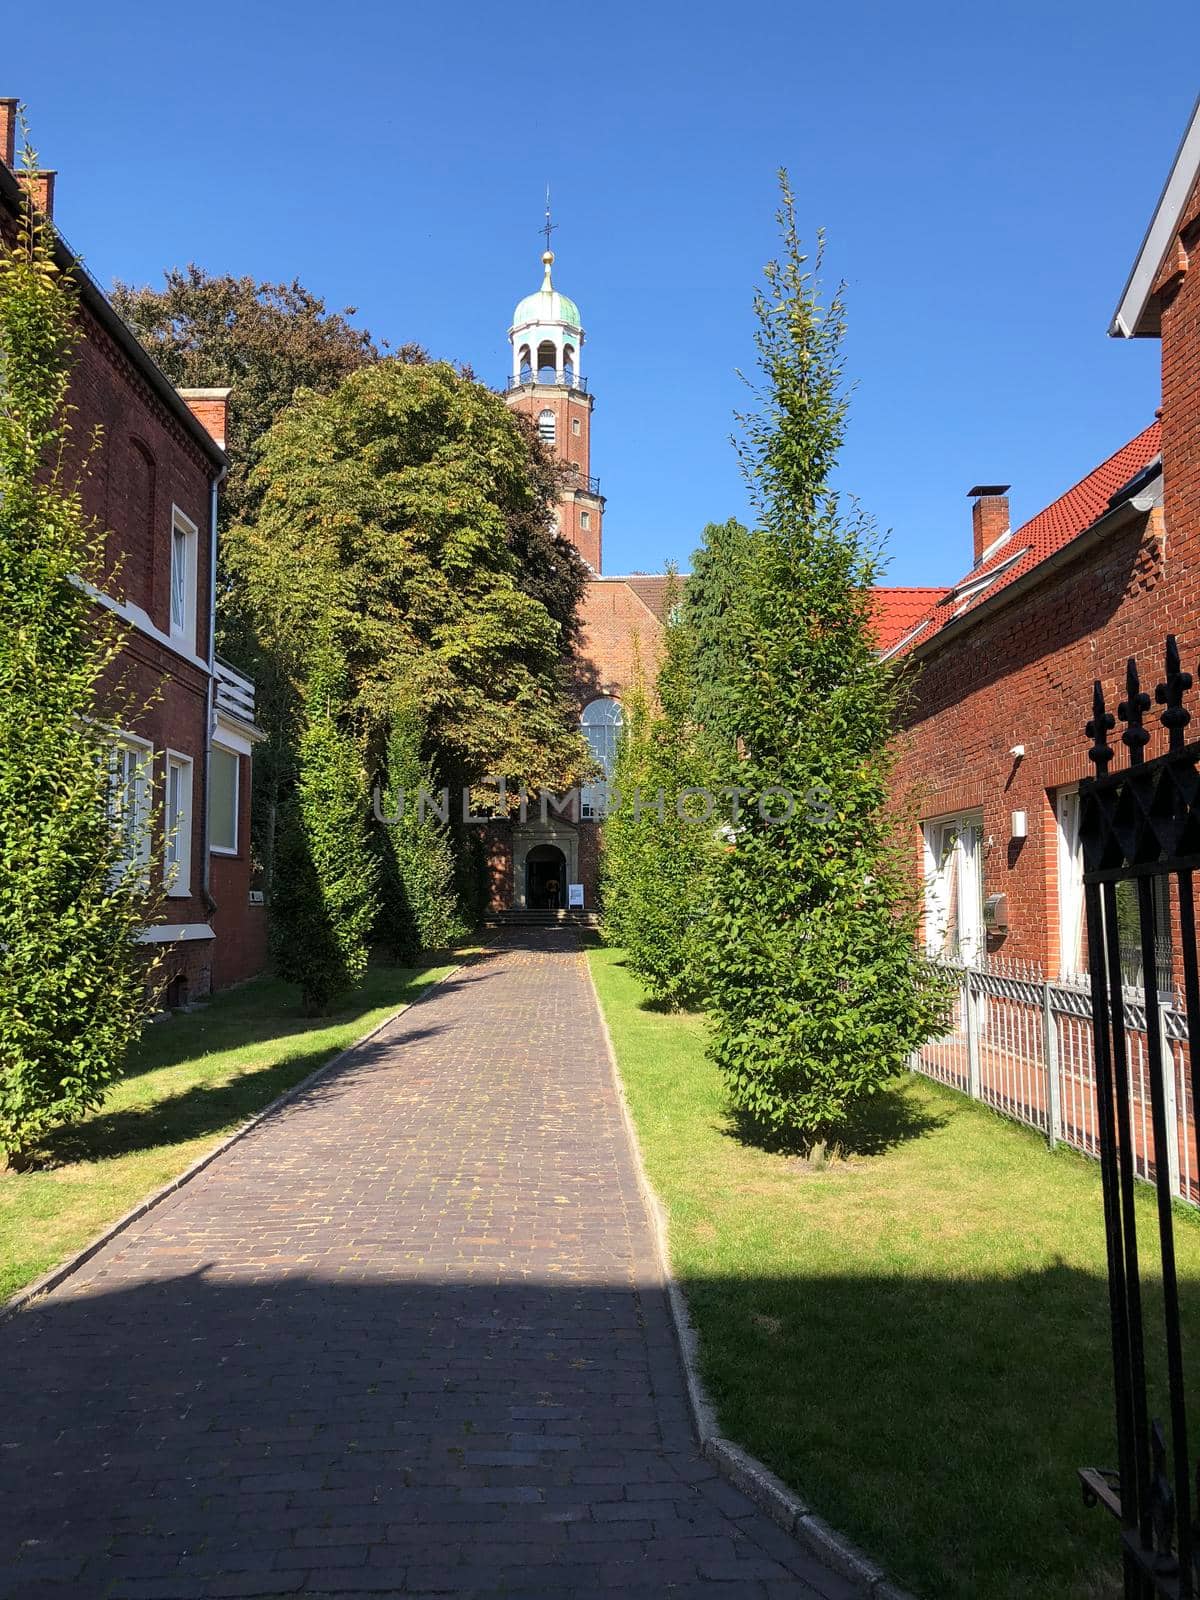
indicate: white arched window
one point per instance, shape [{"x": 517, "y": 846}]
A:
[
  {"x": 601, "y": 722},
  {"x": 547, "y": 429}
]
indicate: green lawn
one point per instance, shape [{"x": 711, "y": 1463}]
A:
[
  {"x": 914, "y": 1338},
  {"x": 190, "y": 1080}
]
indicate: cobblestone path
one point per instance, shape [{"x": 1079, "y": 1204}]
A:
[{"x": 406, "y": 1338}]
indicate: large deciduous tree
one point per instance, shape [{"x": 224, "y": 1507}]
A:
[
  {"x": 71, "y": 975},
  {"x": 264, "y": 340},
  {"x": 816, "y": 989},
  {"x": 397, "y": 510}
]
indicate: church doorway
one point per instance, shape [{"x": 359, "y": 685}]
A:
[{"x": 545, "y": 878}]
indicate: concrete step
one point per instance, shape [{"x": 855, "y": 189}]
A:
[{"x": 541, "y": 919}]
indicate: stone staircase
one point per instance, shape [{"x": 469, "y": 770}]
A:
[{"x": 542, "y": 919}]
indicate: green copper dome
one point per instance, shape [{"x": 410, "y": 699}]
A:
[{"x": 547, "y": 305}]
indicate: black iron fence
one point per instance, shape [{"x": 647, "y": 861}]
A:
[{"x": 1140, "y": 826}]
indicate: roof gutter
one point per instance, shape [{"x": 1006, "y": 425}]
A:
[
  {"x": 1113, "y": 521},
  {"x": 1133, "y": 318},
  {"x": 98, "y": 304}
]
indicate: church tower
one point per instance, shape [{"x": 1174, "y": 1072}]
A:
[{"x": 546, "y": 384}]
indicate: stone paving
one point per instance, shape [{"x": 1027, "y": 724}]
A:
[{"x": 408, "y": 1338}]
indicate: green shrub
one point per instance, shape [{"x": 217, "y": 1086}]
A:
[
  {"x": 72, "y": 990},
  {"x": 656, "y": 862},
  {"x": 418, "y": 904},
  {"x": 326, "y": 878}
]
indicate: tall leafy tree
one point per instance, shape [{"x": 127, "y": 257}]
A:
[
  {"x": 71, "y": 973},
  {"x": 264, "y": 340},
  {"x": 269, "y": 341},
  {"x": 386, "y": 512},
  {"x": 815, "y": 985}
]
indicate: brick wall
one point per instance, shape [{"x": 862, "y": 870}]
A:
[
  {"x": 1179, "y": 287},
  {"x": 1023, "y": 676},
  {"x": 572, "y": 411},
  {"x": 240, "y": 946},
  {"x": 621, "y": 640}
]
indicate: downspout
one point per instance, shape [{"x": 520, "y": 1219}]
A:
[{"x": 210, "y": 905}]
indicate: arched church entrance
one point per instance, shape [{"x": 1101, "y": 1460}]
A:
[{"x": 545, "y": 878}]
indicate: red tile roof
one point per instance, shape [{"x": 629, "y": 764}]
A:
[
  {"x": 898, "y": 610},
  {"x": 652, "y": 589},
  {"x": 1039, "y": 538}
]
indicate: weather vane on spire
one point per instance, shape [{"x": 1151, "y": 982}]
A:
[{"x": 548, "y": 227}]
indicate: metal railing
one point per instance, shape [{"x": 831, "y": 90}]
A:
[
  {"x": 235, "y": 692},
  {"x": 1024, "y": 1047},
  {"x": 571, "y": 470},
  {"x": 548, "y": 378}
]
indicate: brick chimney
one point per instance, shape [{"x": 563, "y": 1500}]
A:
[
  {"x": 8, "y": 132},
  {"x": 40, "y": 185},
  {"x": 210, "y": 407},
  {"x": 989, "y": 515}
]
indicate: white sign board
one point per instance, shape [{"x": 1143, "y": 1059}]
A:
[{"x": 574, "y": 894}]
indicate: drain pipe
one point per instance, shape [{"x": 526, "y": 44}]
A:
[{"x": 210, "y": 722}]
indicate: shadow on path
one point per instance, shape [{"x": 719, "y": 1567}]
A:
[{"x": 199, "y": 1436}]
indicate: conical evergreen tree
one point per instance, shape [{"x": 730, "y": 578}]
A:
[
  {"x": 418, "y": 901},
  {"x": 816, "y": 988},
  {"x": 325, "y": 899}
]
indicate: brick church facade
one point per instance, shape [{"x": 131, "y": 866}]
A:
[{"x": 534, "y": 863}]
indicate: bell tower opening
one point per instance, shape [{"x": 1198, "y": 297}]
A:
[{"x": 546, "y": 384}]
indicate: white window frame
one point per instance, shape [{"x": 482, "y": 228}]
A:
[
  {"x": 595, "y": 798},
  {"x": 185, "y": 542},
  {"x": 135, "y": 788},
  {"x": 1071, "y": 904},
  {"x": 954, "y": 854},
  {"x": 177, "y": 830},
  {"x": 547, "y": 426},
  {"x": 220, "y": 849},
  {"x": 1070, "y": 883},
  {"x": 585, "y": 521}
]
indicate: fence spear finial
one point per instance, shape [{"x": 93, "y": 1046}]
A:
[
  {"x": 1098, "y": 729},
  {"x": 1131, "y": 711},
  {"x": 1170, "y": 694}
]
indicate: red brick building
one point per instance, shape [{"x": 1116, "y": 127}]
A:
[
  {"x": 993, "y": 745},
  {"x": 185, "y": 760}
]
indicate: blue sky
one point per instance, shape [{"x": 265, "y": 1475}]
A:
[{"x": 985, "y": 174}]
